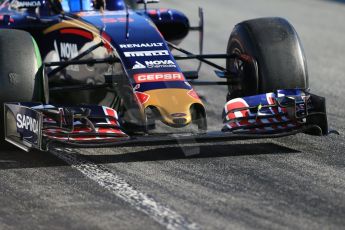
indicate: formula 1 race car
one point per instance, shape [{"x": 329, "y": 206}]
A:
[{"x": 107, "y": 77}]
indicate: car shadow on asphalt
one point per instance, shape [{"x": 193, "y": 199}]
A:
[
  {"x": 14, "y": 158},
  {"x": 192, "y": 152}
]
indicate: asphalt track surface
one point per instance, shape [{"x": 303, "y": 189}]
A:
[{"x": 296, "y": 182}]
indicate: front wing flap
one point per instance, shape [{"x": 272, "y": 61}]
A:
[
  {"x": 276, "y": 112},
  {"x": 32, "y": 125}
]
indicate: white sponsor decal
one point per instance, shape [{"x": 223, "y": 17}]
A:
[
  {"x": 29, "y": 4},
  {"x": 147, "y": 53},
  {"x": 68, "y": 50},
  {"x": 138, "y": 65},
  {"x": 155, "y": 77},
  {"x": 142, "y": 45},
  {"x": 160, "y": 64},
  {"x": 28, "y": 123},
  {"x": 154, "y": 64}
]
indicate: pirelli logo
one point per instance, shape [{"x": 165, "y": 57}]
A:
[
  {"x": 156, "y": 77},
  {"x": 147, "y": 53}
]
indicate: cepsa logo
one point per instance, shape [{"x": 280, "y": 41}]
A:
[{"x": 156, "y": 77}]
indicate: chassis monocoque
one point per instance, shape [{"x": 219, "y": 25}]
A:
[{"x": 82, "y": 76}]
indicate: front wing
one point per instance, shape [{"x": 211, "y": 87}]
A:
[{"x": 282, "y": 113}]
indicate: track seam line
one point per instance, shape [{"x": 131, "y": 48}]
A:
[{"x": 123, "y": 190}]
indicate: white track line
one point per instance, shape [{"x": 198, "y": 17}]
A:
[{"x": 119, "y": 187}]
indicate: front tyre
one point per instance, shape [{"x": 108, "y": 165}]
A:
[
  {"x": 275, "y": 45},
  {"x": 21, "y": 74}
]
